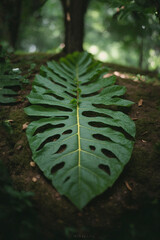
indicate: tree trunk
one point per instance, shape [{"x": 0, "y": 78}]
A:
[
  {"x": 12, "y": 13},
  {"x": 141, "y": 49},
  {"x": 10, "y": 16},
  {"x": 74, "y": 12},
  {"x": 14, "y": 23}
]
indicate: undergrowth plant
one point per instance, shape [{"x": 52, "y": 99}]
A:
[
  {"x": 81, "y": 141},
  {"x": 9, "y": 81}
]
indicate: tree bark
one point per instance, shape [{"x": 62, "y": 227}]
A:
[
  {"x": 74, "y": 12},
  {"x": 10, "y": 15},
  {"x": 141, "y": 50},
  {"x": 11, "y": 12}
]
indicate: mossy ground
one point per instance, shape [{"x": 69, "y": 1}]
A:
[{"x": 119, "y": 210}]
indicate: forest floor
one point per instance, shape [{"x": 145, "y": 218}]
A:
[{"x": 131, "y": 208}]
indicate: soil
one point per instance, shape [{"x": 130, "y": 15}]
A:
[{"x": 129, "y": 209}]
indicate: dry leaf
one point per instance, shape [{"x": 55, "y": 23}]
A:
[
  {"x": 68, "y": 17},
  {"x": 57, "y": 195},
  {"x": 134, "y": 119},
  {"x": 10, "y": 121},
  {"x": 108, "y": 75},
  {"x": 34, "y": 179},
  {"x": 140, "y": 102},
  {"x": 32, "y": 164},
  {"x": 25, "y": 125},
  {"x": 19, "y": 147},
  {"x": 128, "y": 186}
]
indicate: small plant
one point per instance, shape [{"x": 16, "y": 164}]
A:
[
  {"x": 9, "y": 79},
  {"x": 81, "y": 141}
]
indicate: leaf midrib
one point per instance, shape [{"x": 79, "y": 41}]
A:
[{"x": 78, "y": 124}]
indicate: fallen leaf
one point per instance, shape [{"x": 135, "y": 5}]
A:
[
  {"x": 128, "y": 186},
  {"x": 19, "y": 147},
  {"x": 140, "y": 102},
  {"x": 144, "y": 141},
  {"x": 144, "y": 133},
  {"x": 10, "y": 120},
  {"x": 134, "y": 119},
  {"x": 68, "y": 17},
  {"x": 57, "y": 195},
  {"x": 25, "y": 125},
  {"x": 34, "y": 179},
  {"x": 32, "y": 164},
  {"x": 108, "y": 75}
]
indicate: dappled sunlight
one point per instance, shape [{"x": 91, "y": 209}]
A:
[
  {"x": 32, "y": 48},
  {"x": 100, "y": 55},
  {"x": 103, "y": 56},
  {"x": 154, "y": 59},
  {"x": 120, "y": 75},
  {"x": 126, "y": 41},
  {"x": 93, "y": 49},
  {"x": 115, "y": 51},
  {"x": 135, "y": 78}
]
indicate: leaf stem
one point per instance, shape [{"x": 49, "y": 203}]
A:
[{"x": 78, "y": 124}]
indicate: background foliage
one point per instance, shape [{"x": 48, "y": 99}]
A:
[{"x": 124, "y": 32}]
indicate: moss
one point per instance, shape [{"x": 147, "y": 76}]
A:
[
  {"x": 146, "y": 128},
  {"x": 55, "y": 212},
  {"x": 143, "y": 168},
  {"x": 19, "y": 118}
]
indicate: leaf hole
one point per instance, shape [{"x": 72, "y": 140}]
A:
[
  {"x": 49, "y": 139},
  {"x": 58, "y": 83},
  {"x": 10, "y": 95},
  {"x": 108, "y": 153},
  {"x": 119, "y": 129},
  {"x": 67, "y": 178},
  {"x": 92, "y": 80},
  {"x": 105, "y": 168},
  {"x": 57, "y": 107},
  {"x": 127, "y": 136},
  {"x": 61, "y": 149},
  {"x": 98, "y": 124},
  {"x": 90, "y": 94},
  {"x": 73, "y": 85},
  {"x": 57, "y": 167},
  {"x": 70, "y": 94},
  {"x": 101, "y": 137},
  {"x": 55, "y": 96},
  {"x": 63, "y": 108},
  {"x": 67, "y": 132},
  {"x": 110, "y": 107},
  {"x": 16, "y": 87},
  {"x": 47, "y": 127},
  {"x": 94, "y": 114},
  {"x": 92, "y": 148}
]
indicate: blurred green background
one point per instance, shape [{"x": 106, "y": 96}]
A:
[{"x": 128, "y": 39}]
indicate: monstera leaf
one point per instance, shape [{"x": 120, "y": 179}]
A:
[
  {"x": 8, "y": 80},
  {"x": 80, "y": 141}
]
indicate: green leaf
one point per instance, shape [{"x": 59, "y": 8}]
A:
[
  {"x": 79, "y": 142},
  {"x": 8, "y": 80}
]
